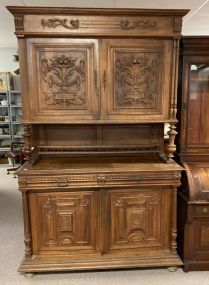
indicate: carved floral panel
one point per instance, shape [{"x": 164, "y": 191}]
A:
[
  {"x": 63, "y": 79},
  {"x": 136, "y": 79}
]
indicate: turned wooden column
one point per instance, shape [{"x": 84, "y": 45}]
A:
[
  {"x": 173, "y": 221},
  {"x": 27, "y": 229}
]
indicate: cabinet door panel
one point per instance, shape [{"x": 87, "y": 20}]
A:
[
  {"x": 135, "y": 84},
  {"x": 198, "y": 238},
  {"x": 64, "y": 221},
  {"x": 139, "y": 220},
  {"x": 62, "y": 79}
]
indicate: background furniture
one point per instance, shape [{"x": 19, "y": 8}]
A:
[
  {"x": 16, "y": 157},
  {"x": 193, "y": 197},
  {"x": 99, "y": 188},
  {"x": 11, "y": 129}
]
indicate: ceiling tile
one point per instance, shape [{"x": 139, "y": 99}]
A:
[
  {"x": 204, "y": 10},
  {"x": 72, "y": 3}
]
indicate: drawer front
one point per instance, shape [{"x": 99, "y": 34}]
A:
[
  {"x": 101, "y": 25},
  {"x": 94, "y": 180}
]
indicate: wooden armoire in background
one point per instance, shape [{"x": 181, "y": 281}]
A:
[
  {"x": 99, "y": 185},
  {"x": 193, "y": 148}
]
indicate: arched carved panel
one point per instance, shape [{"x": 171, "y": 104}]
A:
[
  {"x": 132, "y": 216},
  {"x": 66, "y": 220}
]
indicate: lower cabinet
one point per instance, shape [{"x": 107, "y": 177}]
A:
[{"x": 102, "y": 228}]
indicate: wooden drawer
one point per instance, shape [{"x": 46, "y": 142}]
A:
[{"x": 97, "y": 180}]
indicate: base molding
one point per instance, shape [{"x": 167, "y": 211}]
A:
[
  {"x": 196, "y": 266},
  {"x": 43, "y": 264}
]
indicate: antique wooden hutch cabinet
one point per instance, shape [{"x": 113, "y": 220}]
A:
[
  {"x": 193, "y": 198},
  {"x": 99, "y": 185}
]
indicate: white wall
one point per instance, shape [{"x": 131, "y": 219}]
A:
[
  {"x": 6, "y": 60},
  {"x": 7, "y": 64}
]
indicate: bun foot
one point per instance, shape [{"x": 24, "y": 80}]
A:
[
  {"x": 29, "y": 275},
  {"x": 172, "y": 269}
]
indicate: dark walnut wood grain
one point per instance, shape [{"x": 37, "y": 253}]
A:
[
  {"x": 193, "y": 145},
  {"x": 99, "y": 185}
]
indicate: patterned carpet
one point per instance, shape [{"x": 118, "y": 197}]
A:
[{"x": 11, "y": 252}]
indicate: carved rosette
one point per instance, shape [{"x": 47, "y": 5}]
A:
[
  {"x": 136, "y": 80},
  {"x": 64, "y": 79},
  {"x": 22, "y": 182}
]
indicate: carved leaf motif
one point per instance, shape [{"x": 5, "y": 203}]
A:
[
  {"x": 145, "y": 25},
  {"x": 63, "y": 79},
  {"x": 54, "y": 23},
  {"x": 136, "y": 79},
  {"x": 154, "y": 198}
]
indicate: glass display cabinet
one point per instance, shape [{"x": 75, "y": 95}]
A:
[{"x": 193, "y": 147}]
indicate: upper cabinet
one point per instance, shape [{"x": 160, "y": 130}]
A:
[
  {"x": 78, "y": 71},
  {"x": 194, "y": 140}
]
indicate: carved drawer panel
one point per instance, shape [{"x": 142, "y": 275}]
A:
[
  {"x": 133, "y": 79},
  {"x": 62, "y": 79},
  {"x": 96, "y": 25},
  {"x": 63, "y": 221},
  {"x": 139, "y": 219},
  {"x": 202, "y": 211}
]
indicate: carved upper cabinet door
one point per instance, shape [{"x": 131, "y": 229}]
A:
[
  {"x": 66, "y": 222},
  {"x": 62, "y": 83},
  {"x": 136, "y": 79},
  {"x": 137, "y": 220}
]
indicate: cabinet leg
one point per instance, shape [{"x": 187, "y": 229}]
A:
[
  {"x": 29, "y": 275},
  {"x": 172, "y": 268}
]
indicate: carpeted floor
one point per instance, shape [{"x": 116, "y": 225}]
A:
[{"x": 11, "y": 252}]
